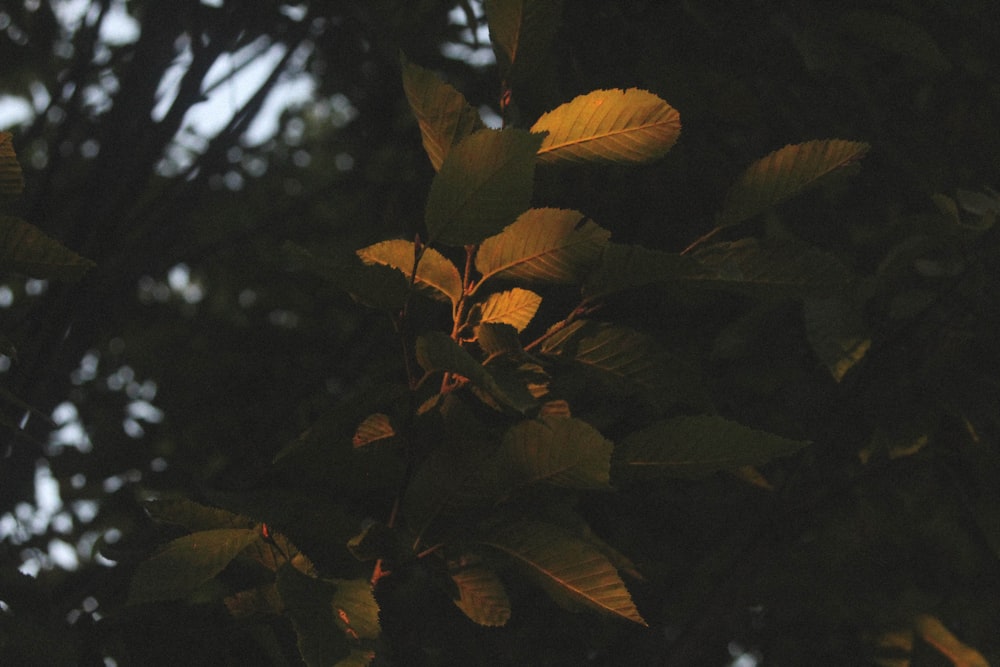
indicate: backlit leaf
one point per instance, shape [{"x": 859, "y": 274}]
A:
[
  {"x": 700, "y": 445},
  {"x": 481, "y": 594},
  {"x": 436, "y": 275},
  {"x": 375, "y": 427},
  {"x": 184, "y": 564},
  {"x": 25, "y": 249},
  {"x": 566, "y": 567},
  {"x": 624, "y": 267},
  {"x": 521, "y": 32},
  {"x": 544, "y": 245},
  {"x": 624, "y": 126},
  {"x": 355, "y": 608},
  {"x": 444, "y": 116},
  {"x": 515, "y": 307},
  {"x": 773, "y": 268},
  {"x": 11, "y": 177},
  {"x": 785, "y": 173},
  {"x": 561, "y": 451},
  {"x": 375, "y": 285},
  {"x": 484, "y": 183}
]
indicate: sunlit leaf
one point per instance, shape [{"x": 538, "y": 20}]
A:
[
  {"x": 773, "y": 268},
  {"x": 484, "y": 183},
  {"x": 624, "y": 126},
  {"x": 355, "y": 608},
  {"x": 544, "y": 245},
  {"x": 934, "y": 632},
  {"x": 836, "y": 333},
  {"x": 444, "y": 116},
  {"x": 567, "y": 567},
  {"x": 481, "y": 594},
  {"x": 625, "y": 358},
  {"x": 624, "y": 267},
  {"x": 375, "y": 427},
  {"x": 699, "y": 445},
  {"x": 515, "y": 307},
  {"x": 25, "y": 249},
  {"x": 561, "y": 451},
  {"x": 182, "y": 565},
  {"x": 308, "y": 603},
  {"x": 436, "y": 275},
  {"x": 784, "y": 174},
  {"x": 521, "y": 32},
  {"x": 11, "y": 177},
  {"x": 374, "y": 285}
]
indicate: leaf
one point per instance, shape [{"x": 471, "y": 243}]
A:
[
  {"x": 700, "y": 445},
  {"x": 623, "y": 126},
  {"x": 784, "y": 173},
  {"x": 567, "y": 567},
  {"x": 561, "y": 451},
  {"x": 193, "y": 516},
  {"x": 25, "y": 249},
  {"x": 356, "y": 609},
  {"x": 544, "y": 245},
  {"x": 308, "y": 603},
  {"x": 375, "y": 427},
  {"x": 934, "y": 632},
  {"x": 184, "y": 564},
  {"x": 11, "y": 177},
  {"x": 521, "y": 32},
  {"x": 495, "y": 339},
  {"x": 630, "y": 361},
  {"x": 484, "y": 183},
  {"x": 444, "y": 116},
  {"x": 260, "y": 600},
  {"x": 374, "y": 285},
  {"x": 773, "y": 268},
  {"x": 897, "y": 35},
  {"x": 836, "y": 332},
  {"x": 515, "y": 307},
  {"x": 481, "y": 595},
  {"x": 435, "y": 276},
  {"x": 624, "y": 267}
]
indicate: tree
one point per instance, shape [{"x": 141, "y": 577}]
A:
[{"x": 786, "y": 387}]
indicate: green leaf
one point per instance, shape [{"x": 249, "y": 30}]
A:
[
  {"x": 784, "y": 174},
  {"x": 25, "y": 249},
  {"x": 624, "y": 267},
  {"x": 566, "y": 567},
  {"x": 521, "y": 32},
  {"x": 836, "y": 332},
  {"x": 629, "y": 360},
  {"x": 308, "y": 603},
  {"x": 624, "y": 126},
  {"x": 561, "y": 451},
  {"x": 260, "y": 600},
  {"x": 773, "y": 267},
  {"x": 481, "y": 594},
  {"x": 435, "y": 276},
  {"x": 374, "y": 285},
  {"x": 483, "y": 185},
  {"x": 375, "y": 427},
  {"x": 515, "y": 307},
  {"x": 700, "y": 445},
  {"x": 544, "y": 245},
  {"x": 184, "y": 564},
  {"x": 193, "y": 516},
  {"x": 356, "y": 609},
  {"x": 497, "y": 339},
  {"x": 444, "y": 116},
  {"x": 11, "y": 177}
]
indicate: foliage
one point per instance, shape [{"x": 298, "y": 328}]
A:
[{"x": 582, "y": 389}]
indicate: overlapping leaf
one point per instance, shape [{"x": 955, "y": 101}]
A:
[
  {"x": 307, "y": 603},
  {"x": 481, "y": 595},
  {"x": 624, "y": 267},
  {"x": 375, "y": 427},
  {"x": 375, "y": 285},
  {"x": 700, "y": 445},
  {"x": 25, "y": 249},
  {"x": 355, "y": 608},
  {"x": 544, "y": 245},
  {"x": 194, "y": 516},
  {"x": 561, "y": 451},
  {"x": 484, "y": 183},
  {"x": 623, "y": 126},
  {"x": 521, "y": 32},
  {"x": 567, "y": 567},
  {"x": 498, "y": 338},
  {"x": 436, "y": 275},
  {"x": 444, "y": 116},
  {"x": 785, "y": 173},
  {"x": 836, "y": 332},
  {"x": 184, "y": 564},
  {"x": 11, "y": 177},
  {"x": 515, "y": 307}
]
